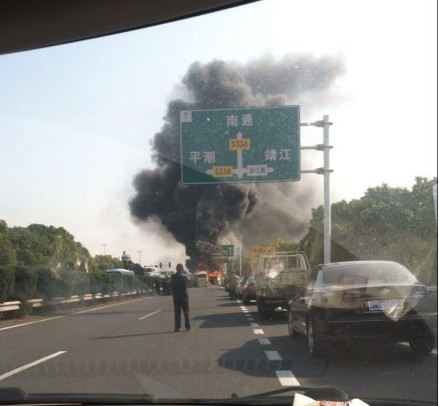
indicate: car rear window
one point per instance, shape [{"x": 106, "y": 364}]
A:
[{"x": 363, "y": 274}]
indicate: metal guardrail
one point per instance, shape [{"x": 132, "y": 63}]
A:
[
  {"x": 8, "y": 306},
  {"x": 16, "y": 306},
  {"x": 13, "y": 306},
  {"x": 36, "y": 303}
]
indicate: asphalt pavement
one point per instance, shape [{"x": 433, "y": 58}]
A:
[{"x": 131, "y": 347}]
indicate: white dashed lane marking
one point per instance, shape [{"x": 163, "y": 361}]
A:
[
  {"x": 286, "y": 378},
  {"x": 273, "y": 356},
  {"x": 150, "y": 314}
]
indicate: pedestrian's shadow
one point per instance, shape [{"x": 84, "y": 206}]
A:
[
  {"x": 124, "y": 336},
  {"x": 229, "y": 304},
  {"x": 219, "y": 320},
  {"x": 243, "y": 359}
]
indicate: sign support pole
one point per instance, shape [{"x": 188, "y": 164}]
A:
[
  {"x": 240, "y": 274},
  {"x": 325, "y": 171},
  {"x": 326, "y": 191}
]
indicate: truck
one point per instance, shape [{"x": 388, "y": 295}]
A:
[{"x": 279, "y": 276}]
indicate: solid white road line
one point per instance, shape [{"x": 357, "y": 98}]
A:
[
  {"x": 32, "y": 364},
  {"x": 150, "y": 314},
  {"x": 287, "y": 378},
  {"x": 111, "y": 305},
  {"x": 83, "y": 311},
  {"x": 31, "y": 322}
]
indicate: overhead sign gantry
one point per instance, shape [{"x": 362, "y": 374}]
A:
[{"x": 255, "y": 144}]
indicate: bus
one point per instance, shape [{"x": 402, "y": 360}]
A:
[
  {"x": 122, "y": 280},
  {"x": 118, "y": 271}
]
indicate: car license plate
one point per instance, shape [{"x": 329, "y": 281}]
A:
[{"x": 386, "y": 304}]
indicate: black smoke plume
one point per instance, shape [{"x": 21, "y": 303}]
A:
[{"x": 202, "y": 216}]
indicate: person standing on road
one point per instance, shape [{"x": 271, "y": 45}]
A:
[
  {"x": 181, "y": 298},
  {"x": 233, "y": 286}
]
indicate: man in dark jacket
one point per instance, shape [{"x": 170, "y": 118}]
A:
[{"x": 181, "y": 298}]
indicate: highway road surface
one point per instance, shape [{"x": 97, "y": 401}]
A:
[{"x": 131, "y": 347}]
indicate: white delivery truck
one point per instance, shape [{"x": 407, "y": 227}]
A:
[{"x": 278, "y": 277}]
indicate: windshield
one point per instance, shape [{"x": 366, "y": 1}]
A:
[{"x": 277, "y": 126}]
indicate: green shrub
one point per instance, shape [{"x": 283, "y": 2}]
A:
[
  {"x": 6, "y": 283},
  {"x": 80, "y": 283},
  {"x": 130, "y": 283},
  {"x": 141, "y": 283},
  {"x": 25, "y": 285},
  {"x": 96, "y": 280},
  {"x": 107, "y": 284},
  {"x": 48, "y": 285},
  {"x": 66, "y": 277}
]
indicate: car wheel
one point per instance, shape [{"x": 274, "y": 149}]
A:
[
  {"x": 316, "y": 346},
  {"x": 422, "y": 344},
  {"x": 291, "y": 331}
]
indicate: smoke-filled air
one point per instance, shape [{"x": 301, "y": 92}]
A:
[{"x": 204, "y": 216}]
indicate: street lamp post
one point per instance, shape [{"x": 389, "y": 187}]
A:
[
  {"x": 140, "y": 257},
  {"x": 104, "y": 245}
]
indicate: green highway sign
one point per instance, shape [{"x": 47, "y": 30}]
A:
[
  {"x": 257, "y": 144},
  {"x": 227, "y": 250}
]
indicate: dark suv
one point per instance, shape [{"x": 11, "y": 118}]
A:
[{"x": 249, "y": 290}]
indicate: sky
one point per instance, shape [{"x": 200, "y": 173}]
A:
[{"x": 77, "y": 120}]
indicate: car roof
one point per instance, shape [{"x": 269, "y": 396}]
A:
[{"x": 359, "y": 263}]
